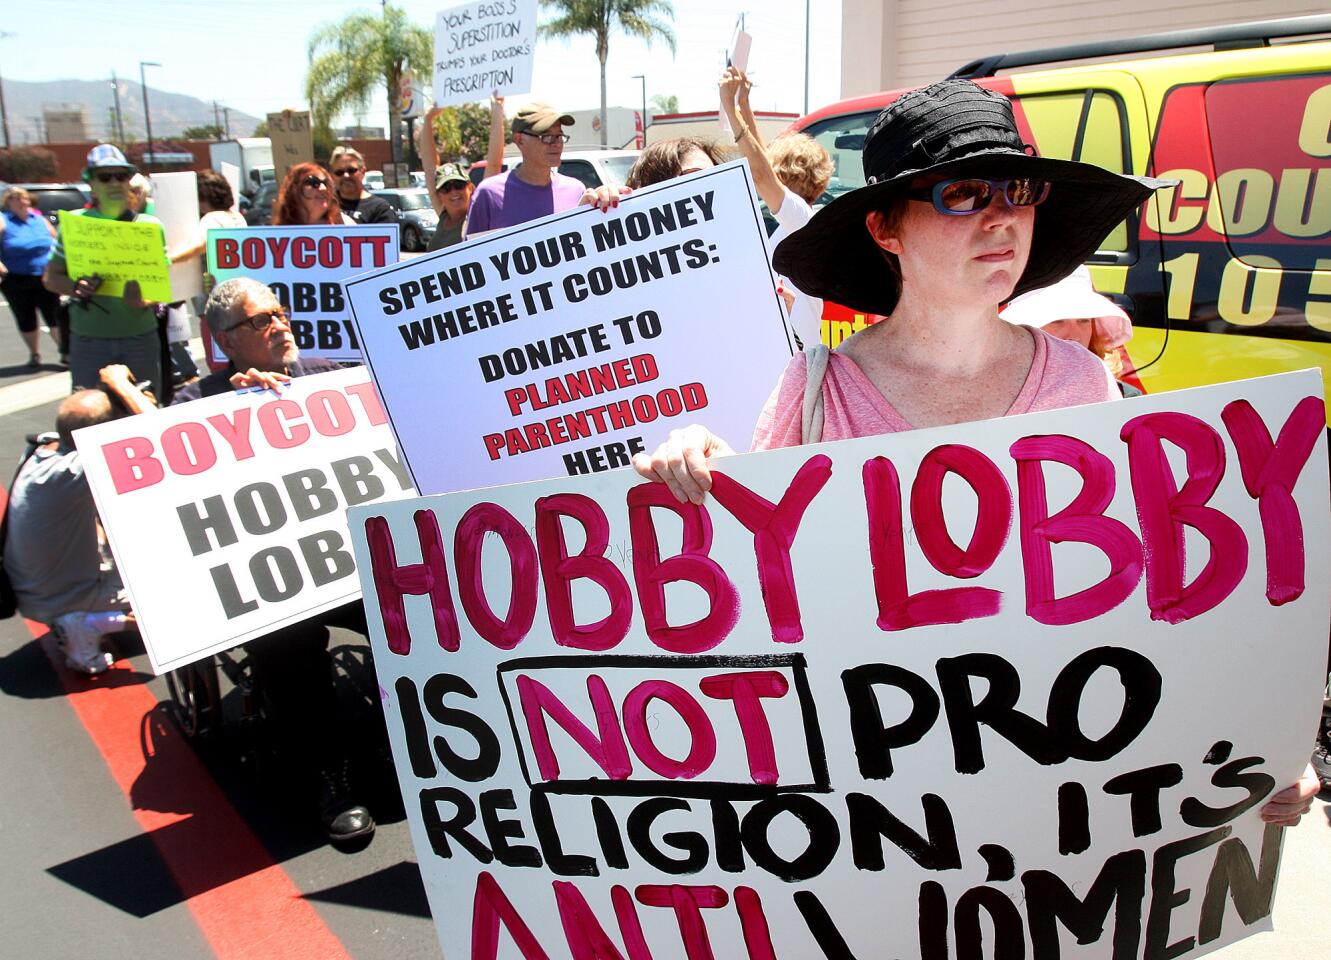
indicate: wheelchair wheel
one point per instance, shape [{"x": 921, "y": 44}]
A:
[{"x": 196, "y": 704}]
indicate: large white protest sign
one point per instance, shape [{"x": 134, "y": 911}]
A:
[
  {"x": 565, "y": 345},
  {"x": 305, "y": 267},
  {"x": 483, "y": 47},
  {"x": 176, "y": 204},
  {"x": 227, "y": 515},
  {"x": 1005, "y": 689}
]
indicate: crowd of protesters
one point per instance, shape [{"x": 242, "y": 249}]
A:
[{"x": 986, "y": 318}]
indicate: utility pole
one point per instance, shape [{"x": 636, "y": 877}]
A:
[
  {"x": 4, "y": 116},
  {"x": 217, "y": 120},
  {"x": 226, "y": 121},
  {"x": 120, "y": 119},
  {"x": 806, "y": 57},
  {"x": 147, "y": 116},
  {"x": 643, "y": 78}
]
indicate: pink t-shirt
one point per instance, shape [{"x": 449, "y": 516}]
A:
[{"x": 1062, "y": 374}]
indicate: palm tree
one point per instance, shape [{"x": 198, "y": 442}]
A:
[
  {"x": 352, "y": 57},
  {"x": 637, "y": 18}
]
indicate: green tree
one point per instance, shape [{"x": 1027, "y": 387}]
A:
[
  {"x": 260, "y": 129},
  {"x": 363, "y": 52},
  {"x": 463, "y": 132},
  {"x": 25, "y": 164},
  {"x": 599, "y": 18},
  {"x": 208, "y": 131},
  {"x": 665, "y": 103}
]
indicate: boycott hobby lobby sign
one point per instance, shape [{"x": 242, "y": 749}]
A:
[
  {"x": 1009, "y": 689},
  {"x": 227, "y": 515}
]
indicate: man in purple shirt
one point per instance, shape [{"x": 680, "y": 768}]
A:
[{"x": 534, "y": 188}]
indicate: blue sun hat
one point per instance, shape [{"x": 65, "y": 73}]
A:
[{"x": 106, "y": 156}]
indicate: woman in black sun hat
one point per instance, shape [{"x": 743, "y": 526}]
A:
[{"x": 958, "y": 215}]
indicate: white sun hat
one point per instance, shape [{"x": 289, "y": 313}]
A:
[{"x": 1072, "y": 298}]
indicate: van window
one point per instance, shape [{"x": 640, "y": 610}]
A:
[
  {"x": 1271, "y": 149},
  {"x": 1084, "y": 125},
  {"x": 843, "y": 139},
  {"x": 581, "y": 170}
]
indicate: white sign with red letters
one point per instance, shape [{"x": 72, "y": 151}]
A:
[
  {"x": 1010, "y": 689},
  {"x": 227, "y": 515}
]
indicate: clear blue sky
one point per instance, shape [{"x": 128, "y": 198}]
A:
[{"x": 251, "y": 54}]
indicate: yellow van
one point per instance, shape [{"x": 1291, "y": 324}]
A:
[{"x": 1227, "y": 275}]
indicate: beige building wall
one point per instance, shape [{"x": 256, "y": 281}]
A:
[
  {"x": 65, "y": 124},
  {"x": 887, "y": 44}
]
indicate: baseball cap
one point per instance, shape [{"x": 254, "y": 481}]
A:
[
  {"x": 107, "y": 156},
  {"x": 448, "y": 173},
  {"x": 538, "y": 118}
]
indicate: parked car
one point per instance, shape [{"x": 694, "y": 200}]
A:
[
  {"x": 374, "y": 180},
  {"x": 418, "y": 178},
  {"x": 415, "y": 215},
  {"x": 52, "y": 197},
  {"x": 1226, "y": 275},
  {"x": 592, "y": 167},
  {"x": 260, "y": 212}
]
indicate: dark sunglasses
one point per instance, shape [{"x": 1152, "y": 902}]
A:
[
  {"x": 261, "y": 321},
  {"x": 451, "y": 186},
  {"x": 315, "y": 182},
  {"x": 960, "y": 198},
  {"x": 120, "y": 176},
  {"x": 347, "y": 172}
]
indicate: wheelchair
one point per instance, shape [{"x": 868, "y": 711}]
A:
[
  {"x": 195, "y": 702},
  {"x": 204, "y": 711}
]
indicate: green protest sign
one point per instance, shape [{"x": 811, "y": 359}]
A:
[{"x": 117, "y": 251}]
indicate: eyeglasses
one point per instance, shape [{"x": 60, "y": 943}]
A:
[
  {"x": 451, "y": 186},
  {"x": 549, "y": 139},
  {"x": 260, "y": 321},
  {"x": 961, "y": 198},
  {"x": 120, "y": 176},
  {"x": 347, "y": 172},
  {"x": 315, "y": 183}
]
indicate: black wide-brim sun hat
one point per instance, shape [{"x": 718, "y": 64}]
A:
[{"x": 958, "y": 129}]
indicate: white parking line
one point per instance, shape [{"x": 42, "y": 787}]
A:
[{"x": 40, "y": 391}]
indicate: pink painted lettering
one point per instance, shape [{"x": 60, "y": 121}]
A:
[{"x": 774, "y": 529}]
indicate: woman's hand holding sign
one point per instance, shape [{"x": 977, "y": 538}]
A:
[
  {"x": 1286, "y": 807},
  {"x": 681, "y": 462}
]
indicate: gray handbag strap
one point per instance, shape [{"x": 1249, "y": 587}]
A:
[{"x": 811, "y": 422}]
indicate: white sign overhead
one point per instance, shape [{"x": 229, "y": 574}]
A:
[
  {"x": 567, "y": 344},
  {"x": 227, "y": 515},
  {"x": 483, "y": 47},
  {"x": 959, "y": 689}
]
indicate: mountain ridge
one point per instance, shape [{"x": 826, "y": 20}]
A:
[{"x": 172, "y": 113}]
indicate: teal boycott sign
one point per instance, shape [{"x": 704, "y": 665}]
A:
[{"x": 305, "y": 267}]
